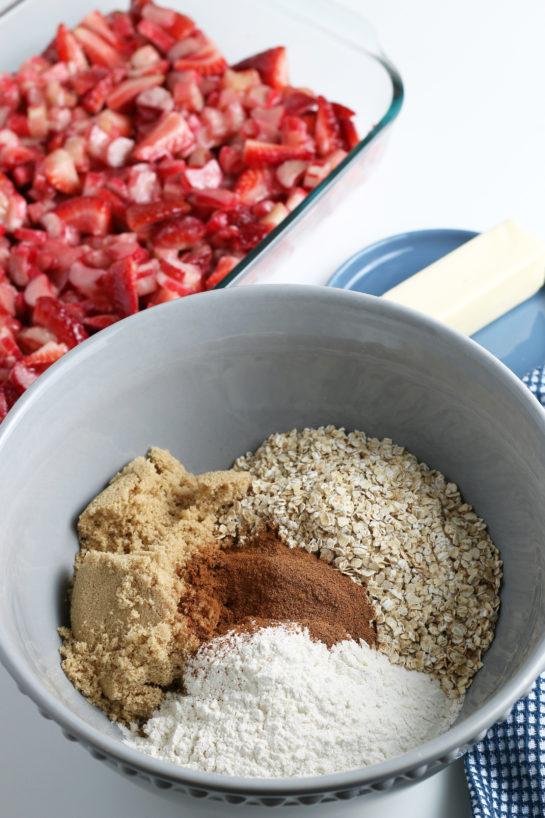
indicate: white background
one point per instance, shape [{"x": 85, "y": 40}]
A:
[{"x": 467, "y": 151}]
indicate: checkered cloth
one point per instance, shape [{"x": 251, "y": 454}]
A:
[{"x": 506, "y": 771}]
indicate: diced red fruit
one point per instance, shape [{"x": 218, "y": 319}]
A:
[
  {"x": 68, "y": 48},
  {"x": 253, "y": 185},
  {"x": 45, "y": 355},
  {"x": 142, "y": 215},
  {"x": 156, "y": 35},
  {"x": 60, "y": 172},
  {"x": 139, "y": 114},
  {"x": 120, "y": 282},
  {"x": 327, "y": 132},
  {"x": 208, "y": 176},
  {"x": 37, "y": 288},
  {"x": 21, "y": 377},
  {"x": 171, "y": 135},
  {"x": 98, "y": 50},
  {"x": 180, "y": 233},
  {"x": 223, "y": 268},
  {"x": 262, "y": 154},
  {"x": 206, "y": 60},
  {"x": 87, "y": 214},
  {"x": 56, "y": 317},
  {"x": 95, "y": 21},
  {"x": 271, "y": 64}
]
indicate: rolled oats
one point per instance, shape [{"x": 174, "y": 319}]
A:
[{"x": 372, "y": 510}]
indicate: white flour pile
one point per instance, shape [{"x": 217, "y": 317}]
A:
[{"x": 275, "y": 704}]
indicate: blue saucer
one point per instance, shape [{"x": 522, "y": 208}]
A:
[{"x": 516, "y": 338}]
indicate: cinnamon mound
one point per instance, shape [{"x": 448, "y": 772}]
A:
[{"x": 264, "y": 582}]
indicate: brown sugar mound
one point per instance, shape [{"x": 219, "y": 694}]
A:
[
  {"x": 128, "y": 638},
  {"x": 264, "y": 582},
  {"x": 152, "y": 582}
]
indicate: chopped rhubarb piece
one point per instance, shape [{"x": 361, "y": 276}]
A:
[
  {"x": 95, "y": 99},
  {"x": 121, "y": 283},
  {"x": 142, "y": 215},
  {"x": 21, "y": 377},
  {"x": 37, "y": 288},
  {"x": 30, "y": 339},
  {"x": 272, "y": 66},
  {"x": 61, "y": 173},
  {"x": 171, "y": 135},
  {"x": 208, "y": 176},
  {"x": 215, "y": 198},
  {"x": 57, "y": 318},
  {"x": 88, "y": 214}
]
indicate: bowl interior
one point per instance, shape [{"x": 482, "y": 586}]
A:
[{"x": 209, "y": 377}]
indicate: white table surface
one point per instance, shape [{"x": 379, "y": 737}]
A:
[{"x": 467, "y": 151}]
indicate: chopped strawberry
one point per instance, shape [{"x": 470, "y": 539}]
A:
[
  {"x": 99, "y": 51},
  {"x": 171, "y": 135},
  {"x": 127, "y": 91},
  {"x": 95, "y": 21},
  {"x": 56, "y": 317},
  {"x": 253, "y": 185},
  {"x": 30, "y": 339},
  {"x": 61, "y": 173},
  {"x": 13, "y": 207},
  {"x": 94, "y": 100},
  {"x": 156, "y": 35},
  {"x": 9, "y": 351},
  {"x": 4, "y": 406},
  {"x": 271, "y": 64},
  {"x": 349, "y": 132},
  {"x": 327, "y": 131},
  {"x": 211, "y": 199},
  {"x": 94, "y": 323},
  {"x": 262, "y": 154},
  {"x": 142, "y": 215},
  {"x": 223, "y": 268},
  {"x": 88, "y": 214},
  {"x": 69, "y": 50},
  {"x": 45, "y": 355},
  {"x": 180, "y": 233},
  {"x": 206, "y": 60},
  {"x": 121, "y": 284}
]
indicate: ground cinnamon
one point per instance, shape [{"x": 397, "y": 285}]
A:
[{"x": 264, "y": 582}]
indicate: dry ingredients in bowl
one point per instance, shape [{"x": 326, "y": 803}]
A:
[
  {"x": 251, "y": 621},
  {"x": 137, "y": 167},
  {"x": 377, "y": 514},
  {"x": 278, "y": 704}
]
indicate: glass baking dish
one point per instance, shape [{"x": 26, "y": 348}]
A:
[{"x": 331, "y": 49}]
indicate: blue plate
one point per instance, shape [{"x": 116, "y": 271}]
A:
[{"x": 516, "y": 338}]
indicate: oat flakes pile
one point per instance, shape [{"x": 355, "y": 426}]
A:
[{"x": 388, "y": 521}]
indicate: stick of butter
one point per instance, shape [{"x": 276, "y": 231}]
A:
[{"x": 479, "y": 281}]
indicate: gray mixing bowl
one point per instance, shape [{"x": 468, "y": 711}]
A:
[{"x": 209, "y": 377}]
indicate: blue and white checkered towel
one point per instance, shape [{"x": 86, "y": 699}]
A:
[{"x": 506, "y": 771}]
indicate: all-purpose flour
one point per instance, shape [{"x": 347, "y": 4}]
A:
[{"x": 276, "y": 704}]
